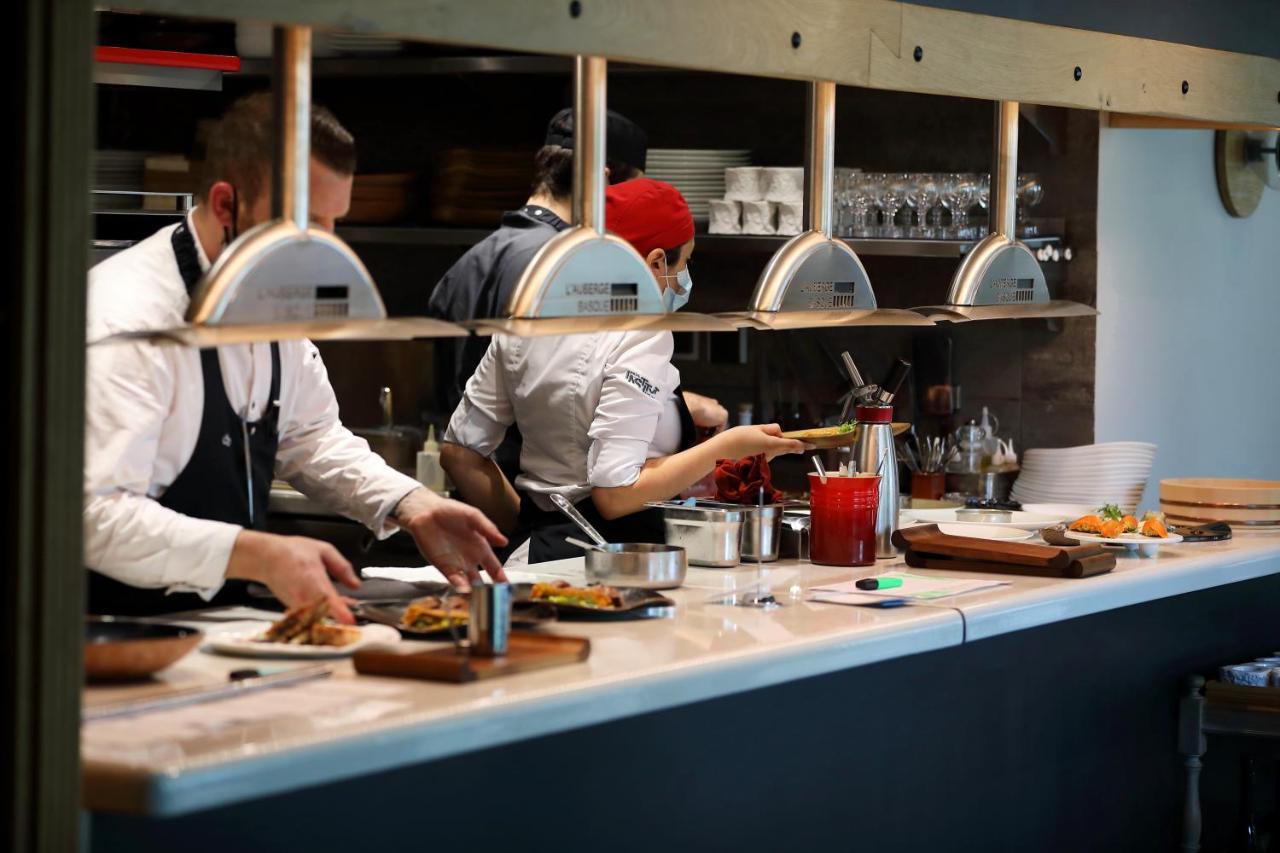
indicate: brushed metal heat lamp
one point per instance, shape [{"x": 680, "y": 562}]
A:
[
  {"x": 285, "y": 278},
  {"x": 585, "y": 279},
  {"x": 815, "y": 280},
  {"x": 1000, "y": 278}
]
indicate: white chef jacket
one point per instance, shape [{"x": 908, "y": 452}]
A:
[
  {"x": 143, "y": 407},
  {"x": 591, "y": 408}
]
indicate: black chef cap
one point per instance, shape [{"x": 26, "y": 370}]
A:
[{"x": 625, "y": 141}]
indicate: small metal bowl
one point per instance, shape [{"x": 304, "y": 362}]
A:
[
  {"x": 640, "y": 565},
  {"x": 987, "y": 516}
]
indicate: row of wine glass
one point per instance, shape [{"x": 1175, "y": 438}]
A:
[{"x": 924, "y": 205}]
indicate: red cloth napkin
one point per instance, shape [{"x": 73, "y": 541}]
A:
[{"x": 740, "y": 481}]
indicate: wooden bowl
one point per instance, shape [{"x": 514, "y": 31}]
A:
[
  {"x": 1244, "y": 503},
  {"x": 118, "y": 649}
]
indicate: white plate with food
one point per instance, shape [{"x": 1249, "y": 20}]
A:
[
  {"x": 1029, "y": 521},
  {"x": 1110, "y": 526},
  {"x": 303, "y": 632},
  {"x": 1145, "y": 545}
]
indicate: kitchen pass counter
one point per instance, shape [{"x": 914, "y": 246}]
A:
[{"x": 205, "y": 756}]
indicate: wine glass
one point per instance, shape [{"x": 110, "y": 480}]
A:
[
  {"x": 922, "y": 197},
  {"x": 983, "y": 197},
  {"x": 893, "y": 196},
  {"x": 958, "y": 196},
  {"x": 1030, "y": 194},
  {"x": 862, "y": 192}
]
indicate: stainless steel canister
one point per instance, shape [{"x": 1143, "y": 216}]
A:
[
  {"x": 874, "y": 454},
  {"x": 794, "y": 541},
  {"x": 489, "y": 627},
  {"x": 762, "y": 524},
  {"x": 709, "y": 532}
]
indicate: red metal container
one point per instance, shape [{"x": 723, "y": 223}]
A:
[{"x": 842, "y": 525}]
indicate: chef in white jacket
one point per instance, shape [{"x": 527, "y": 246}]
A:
[
  {"x": 181, "y": 445},
  {"x": 602, "y": 414}
]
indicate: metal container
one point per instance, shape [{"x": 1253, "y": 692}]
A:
[
  {"x": 489, "y": 625},
  {"x": 640, "y": 565},
  {"x": 988, "y": 516},
  {"x": 119, "y": 649},
  {"x": 793, "y": 543},
  {"x": 763, "y": 524},
  {"x": 874, "y": 453},
  {"x": 988, "y": 485},
  {"x": 711, "y": 533}
]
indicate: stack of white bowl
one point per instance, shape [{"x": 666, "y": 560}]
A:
[{"x": 1112, "y": 473}]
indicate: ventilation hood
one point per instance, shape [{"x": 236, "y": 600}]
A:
[
  {"x": 815, "y": 280},
  {"x": 1000, "y": 278},
  {"x": 585, "y": 279},
  {"x": 286, "y": 278}
]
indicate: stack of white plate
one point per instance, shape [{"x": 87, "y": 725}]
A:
[
  {"x": 119, "y": 170},
  {"x": 1112, "y": 473},
  {"x": 697, "y": 172}
]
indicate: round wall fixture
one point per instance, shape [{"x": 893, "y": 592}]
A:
[{"x": 1246, "y": 162}]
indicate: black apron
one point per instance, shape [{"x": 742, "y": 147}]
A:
[
  {"x": 214, "y": 484},
  {"x": 547, "y": 530}
]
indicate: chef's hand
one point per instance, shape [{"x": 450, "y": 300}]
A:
[
  {"x": 756, "y": 439},
  {"x": 296, "y": 569},
  {"x": 456, "y": 538},
  {"x": 706, "y": 411}
]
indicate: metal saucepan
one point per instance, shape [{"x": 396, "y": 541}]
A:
[
  {"x": 642, "y": 565},
  {"x": 118, "y": 649}
]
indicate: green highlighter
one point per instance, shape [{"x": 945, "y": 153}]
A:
[{"x": 878, "y": 583}]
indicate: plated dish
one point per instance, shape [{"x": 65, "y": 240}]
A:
[
  {"x": 1111, "y": 526},
  {"x": 303, "y": 632}
]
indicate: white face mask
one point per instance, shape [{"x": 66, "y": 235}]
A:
[{"x": 673, "y": 300}]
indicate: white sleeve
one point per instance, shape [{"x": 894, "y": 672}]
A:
[
  {"x": 320, "y": 457},
  {"x": 485, "y": 412},
  {"x": 127, "y": 535},
  {"x": 638, "y": 379}
]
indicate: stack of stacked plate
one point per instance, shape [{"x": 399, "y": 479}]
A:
[
  {"x": 1112, "y": 473},
  {"x": 697, "y": 172},
  {"x": 119, "y": 170}
]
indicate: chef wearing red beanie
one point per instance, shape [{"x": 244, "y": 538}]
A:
[{"x": 603, "y": 416}]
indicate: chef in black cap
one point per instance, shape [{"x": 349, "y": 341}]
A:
[{"x": 479, "y": 284}]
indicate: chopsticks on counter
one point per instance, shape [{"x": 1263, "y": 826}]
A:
[{"x": 237, "y": 686}]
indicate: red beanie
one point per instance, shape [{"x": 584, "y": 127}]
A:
[{"x": 648, "y": 214}]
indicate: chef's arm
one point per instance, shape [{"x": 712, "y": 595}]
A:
[
  {"x": 664, "y": 477},
  {"x": 481, "y": 483}
]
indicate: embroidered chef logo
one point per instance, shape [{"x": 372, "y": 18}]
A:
[
  {"x": 646, "y": 387},
  {"x": 226, "y": 439}
]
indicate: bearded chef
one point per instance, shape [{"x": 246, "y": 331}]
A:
[{"x": 182, "y": 444}]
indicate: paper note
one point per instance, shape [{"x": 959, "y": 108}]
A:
[{"x": 914, "y": 587}]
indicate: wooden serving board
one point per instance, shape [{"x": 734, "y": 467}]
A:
[
  {"x": 525, "y": 652},
  {"x": 928, "y": 539},
  {"x": 1082, "y": 567}
]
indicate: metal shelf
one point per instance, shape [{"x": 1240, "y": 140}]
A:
[{"x": 426, "y": 236}]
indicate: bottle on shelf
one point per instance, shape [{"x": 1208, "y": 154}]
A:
[{"x": 429, "y": 471}]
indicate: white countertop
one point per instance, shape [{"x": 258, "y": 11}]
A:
[{"x": 278, "y": 740}]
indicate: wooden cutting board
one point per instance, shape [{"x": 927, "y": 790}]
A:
[
  {"x": 928, "y": 539},
  {"x": 526, "y": 652},
  {"x": 1082, "y": 567}
]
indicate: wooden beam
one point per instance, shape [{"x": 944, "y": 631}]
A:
[
  {"x": 1126, "y": 120},
  {"x": 854, "y": 42}
]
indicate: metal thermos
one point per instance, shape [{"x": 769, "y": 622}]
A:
[
  {"x": 490, "y": 624},
  {"x": 875, "y": 454}
]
